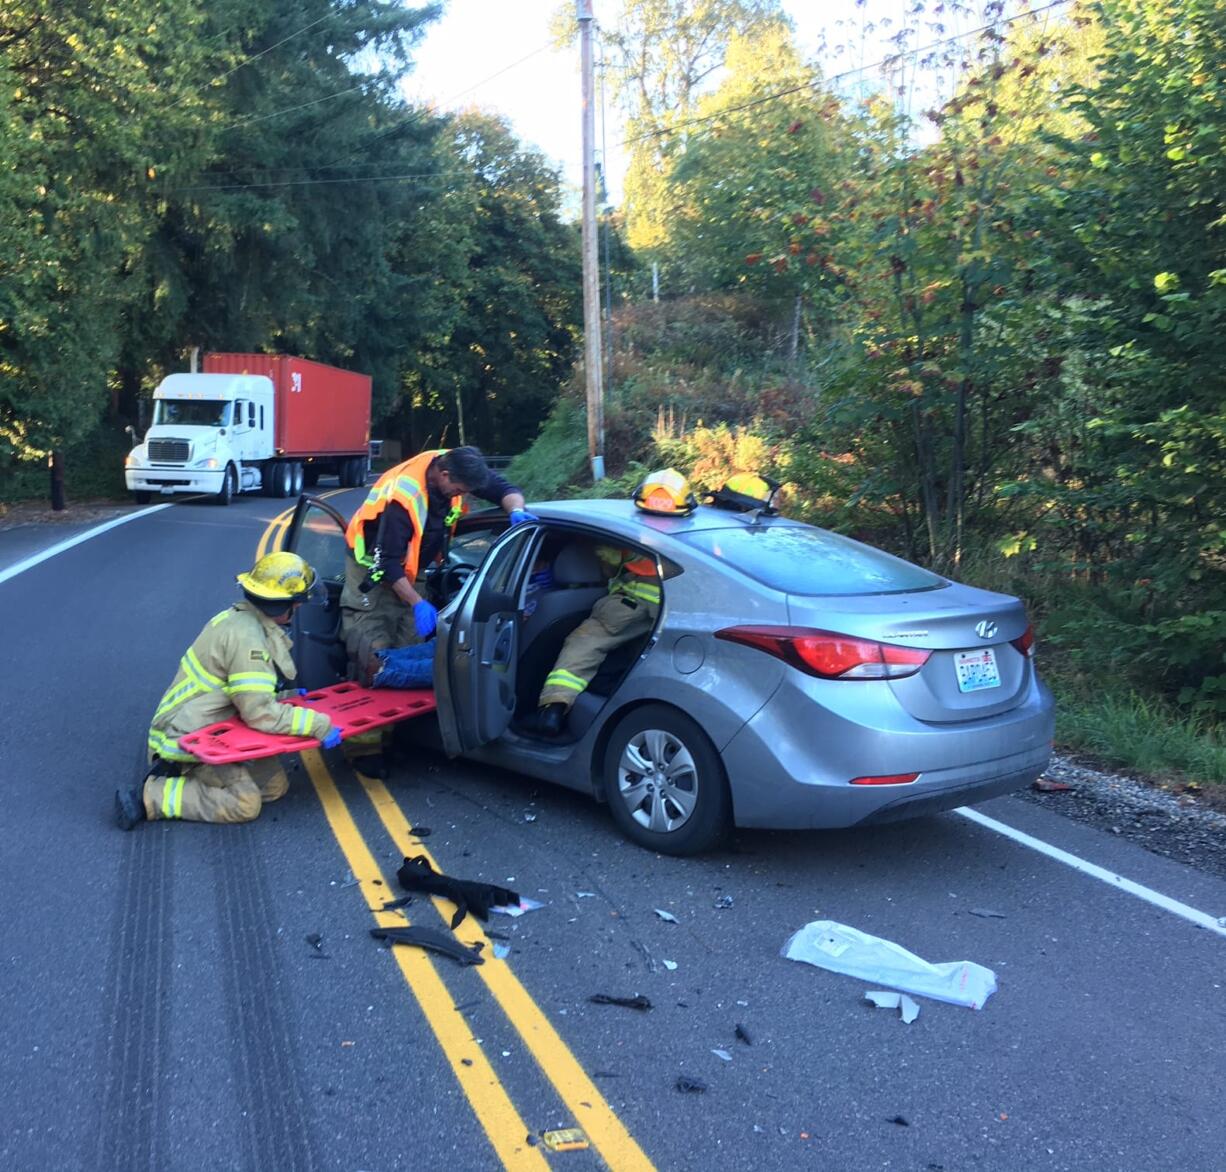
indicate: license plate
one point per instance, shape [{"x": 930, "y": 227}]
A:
[{"x": 976, "y": 670}]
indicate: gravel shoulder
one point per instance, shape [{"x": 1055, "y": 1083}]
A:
[{"x": 1190, "y": 829}]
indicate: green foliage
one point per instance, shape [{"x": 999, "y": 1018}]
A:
[{"x": 243, "y": 175}]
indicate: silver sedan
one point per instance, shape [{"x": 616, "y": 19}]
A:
[{"x": 794, "y": 678}]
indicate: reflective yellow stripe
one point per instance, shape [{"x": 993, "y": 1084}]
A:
[
  {"x": 300, "y": 722},
  {"x": 251, "y": 681},
  {"x": 192, "y": 666},
  {"x": 565, "y": 679},
  {"x": 632, "y": 588},
  {"x": 176, "y": 696},
  {"x": 166, "y": 747},
  {"x": 172, "y": 797},
  {"x": 218, "y": 617}
]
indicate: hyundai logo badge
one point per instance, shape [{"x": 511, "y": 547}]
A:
[{"x": 985, "y": 629}]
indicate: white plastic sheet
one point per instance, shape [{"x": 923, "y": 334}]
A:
[{"x": 841, "y": 949}]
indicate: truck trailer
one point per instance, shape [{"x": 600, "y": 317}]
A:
[{"x": 253, "y": 422}]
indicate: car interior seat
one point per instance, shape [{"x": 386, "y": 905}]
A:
[{"x": 577, "y": 583}]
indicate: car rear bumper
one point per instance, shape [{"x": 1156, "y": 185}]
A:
[{"x": 791, "y": 766}]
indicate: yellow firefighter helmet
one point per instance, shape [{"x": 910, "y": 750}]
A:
[
  {"x": 666, "y": 492},
  {"x": 745, "y": 492},
  {"x": 278, "y": 577}
]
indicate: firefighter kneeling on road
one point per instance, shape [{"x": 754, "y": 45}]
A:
[
  {"x": 230, "y": 670},
  {"x": 627, "y": 612}
]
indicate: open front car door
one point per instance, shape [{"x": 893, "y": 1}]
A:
[
  {"x": 317, "y": 533},
  {"x": 478, "y": 646}
]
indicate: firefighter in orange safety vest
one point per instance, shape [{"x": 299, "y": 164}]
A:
[
  {"x": 398, "y": 531},
  {"x": 230, "y": 670}
]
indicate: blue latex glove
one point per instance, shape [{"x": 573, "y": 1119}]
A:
[
  {"x": 518, "y": 516},
  {"x": 332, "y": 739},
  {"x": 425, "y": 618},
  {"x": 406, "y": 667},
  {"x": 302, "y": 691}
]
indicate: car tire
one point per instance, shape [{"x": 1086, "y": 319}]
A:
[
  {"x": 694, "y": 799},
  {"x": 228, "y": 484}
]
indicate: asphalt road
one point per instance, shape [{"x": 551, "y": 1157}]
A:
[{"x": 163, "y": 1009}]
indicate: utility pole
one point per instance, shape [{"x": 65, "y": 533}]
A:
[{"x": 591, "y": 270}]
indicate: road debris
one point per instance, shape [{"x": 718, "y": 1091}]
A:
[
  {"x": 430, "y": 939},
  {"x": 907, "y": 1008},
  {"x": 742, "y": 1034},
  {"x": 667, "y": 917},
  {"x": 421, "y": 831},
  {"x": 842, "y": 949},
  {"x": 517, "y": 909},
  {"x": 1044, "y": 786},
  {"x": 585, "y": 895},
  {"x": 724, "y": 901},
  {"x": 671, "y": 965},
  {"x": 393, "y": 904},
  {"x": 722, "y": 1055},
  {"x": 480, "y": 898},
  {"x": 636, "y": 1002},
  {"x": 987, "y": 913},
  {"x": 688, "y": 1084},
  {"x": 565, "y": 1139},
  {"x": 529, "y": 816},
  {"x": 502, "y": 951},
  {"x": 900, "y": 1120}
]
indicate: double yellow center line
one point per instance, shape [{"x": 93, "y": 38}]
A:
[{"x": 502, "y": 1123}]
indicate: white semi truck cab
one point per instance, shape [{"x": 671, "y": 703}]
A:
[
  {"x": 250, "y": 422},
  {"x": 211, "y": 433}
]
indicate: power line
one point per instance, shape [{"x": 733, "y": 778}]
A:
[
  {"x": 291, "y": 109},
  {"x": 826, "y": 81},
  {"x": 255, "y": 57},
  {"x": 309, "y": 182}
]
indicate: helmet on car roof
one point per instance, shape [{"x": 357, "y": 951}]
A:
[
  {"x": 745, "y": 492},
  {"x": 666, "y": 492}
]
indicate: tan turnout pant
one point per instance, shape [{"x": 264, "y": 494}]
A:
[
  {"x": 216, "y": 793},
  {"x": 615, "y": 619}
]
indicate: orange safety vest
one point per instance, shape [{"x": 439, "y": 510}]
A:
[
  {"x": 405, "y": 484},
  {"x": 636, "y": 577}
]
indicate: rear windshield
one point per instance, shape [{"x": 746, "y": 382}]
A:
[{"x": 801, "y": 560}]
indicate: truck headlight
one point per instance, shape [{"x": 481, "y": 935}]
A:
[
  {"x": 131, "y": 460},
  {"x": 211, "y": 462}
]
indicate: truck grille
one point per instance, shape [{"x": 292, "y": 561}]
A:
[{"x": 168, "y": 451}]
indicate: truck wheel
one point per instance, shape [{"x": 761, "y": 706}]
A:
[
  {"x": 296, "y": 477},
  {"x": 279, "y": 479},
  {"x": 142, "y": 498},
  {"x": 357, "y": 472},
  {"x": 229, "y": 485},
  {"x": 665, "y": 783}
]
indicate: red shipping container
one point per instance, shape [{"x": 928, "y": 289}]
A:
[{"x": 319, "y": 410}]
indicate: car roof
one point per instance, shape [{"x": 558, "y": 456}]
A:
[{"x": 624, "y": 518}]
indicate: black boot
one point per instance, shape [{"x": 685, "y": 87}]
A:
[
  {"x": 548, "y": 721},
  {"x": 130, "y": 807}
]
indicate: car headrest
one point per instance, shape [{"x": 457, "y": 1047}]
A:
[{"x": 577, "y": 565}]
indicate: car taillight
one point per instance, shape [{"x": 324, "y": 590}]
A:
[
  {"x": 1025, "y": 642},
  {"x": 829, "y": 655},
  {"x": 886, "y": 779}
]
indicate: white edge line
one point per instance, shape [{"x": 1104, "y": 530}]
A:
[
  {"x": 1199, "y": 918},
  {"x": 34, "y": 559}
]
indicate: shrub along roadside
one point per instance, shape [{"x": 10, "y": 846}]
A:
[{"x": 93, "y": 470}]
